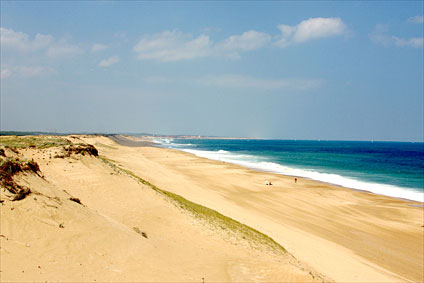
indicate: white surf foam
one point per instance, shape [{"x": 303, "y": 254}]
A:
[
  {"x": 163, "y": 141},
  {"x": 261, "y": 164}
]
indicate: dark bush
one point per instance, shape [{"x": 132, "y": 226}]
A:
[
  {"x": 77, "y": 200},
  {"x": 21, "y": 193},
  {"x": 81, "y": 149},
  {"x": 10, "y": 168},
  {"x": 32, "y": 166}
]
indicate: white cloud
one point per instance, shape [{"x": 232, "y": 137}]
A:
[
  {"x": 32, "y": 71},
  {"x": 98, "y": 47},
  {"x": 175, "y": 45},
  {"x": 416, "y": 20},
  {"x": 249, "y": 40},
  {"x": 105, "y": 63},
  {"x": 310, "y": 29},
  {"x": 12, "y": 40},
  {"x": 380, "y": 36},
  {"x": 415, "y": 42},
  {"x": 25, "y": 71},
  {"x": 172, "y": 46},
  {"x": 20, "y": 41}
]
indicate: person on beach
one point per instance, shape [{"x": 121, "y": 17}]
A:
[{"x": 295, "y": 180}]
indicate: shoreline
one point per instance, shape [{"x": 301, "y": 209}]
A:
[
  {"x": 147, "y": 143},
  {"x": 310, "y": 179},
  {"x": 420, "y": 203},
  {"x": 339, "y": 220}
]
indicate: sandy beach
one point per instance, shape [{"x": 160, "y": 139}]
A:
[
  {"x": 212, "y": 141},
  {"x": 124, "y": 230}
]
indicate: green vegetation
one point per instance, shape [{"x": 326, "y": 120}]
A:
[
  {"x": 211, "y": 216},
  {"x": 33, "y": 141},
  {"x": 18, "y": 133}
]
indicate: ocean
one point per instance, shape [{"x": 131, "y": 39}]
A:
[{"x": 394, "y": 169}]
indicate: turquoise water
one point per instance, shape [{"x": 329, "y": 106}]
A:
[{"x": 389, "y": 168}]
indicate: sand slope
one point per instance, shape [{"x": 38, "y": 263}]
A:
[
  {"x": 347, "y": 235},
  {"x": 48, "y": 237}
]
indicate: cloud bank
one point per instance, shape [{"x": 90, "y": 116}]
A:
[
  {"x": 172, "y": 46},
  {"x": 175, "y": 45},
  {"x": 380, "y": 36},
  {"x": 21, "y": 42}
]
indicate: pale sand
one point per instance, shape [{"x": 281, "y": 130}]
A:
[
  {"x": 346, "y": 235},
  {"x": 47, "y": 237}
]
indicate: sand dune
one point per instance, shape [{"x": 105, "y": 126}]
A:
[{"x": 122, "y": 230}]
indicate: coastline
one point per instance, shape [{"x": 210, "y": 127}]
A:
[
  {"x": 330, "y": 232},
  {"x": 346, "y": 218},
  {"x": 385, "y": 189}
]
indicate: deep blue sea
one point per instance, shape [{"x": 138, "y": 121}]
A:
[{"x": 389, "y": 168}]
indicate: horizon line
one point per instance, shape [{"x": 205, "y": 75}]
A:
[{"x": 17, "y": 133}]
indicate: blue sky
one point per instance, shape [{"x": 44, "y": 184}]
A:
[{"x": 288, "y": 70}]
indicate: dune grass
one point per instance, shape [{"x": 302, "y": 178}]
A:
[
  {"x": 39, "y": 142},
  {"x": 213, "y": 217}
]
